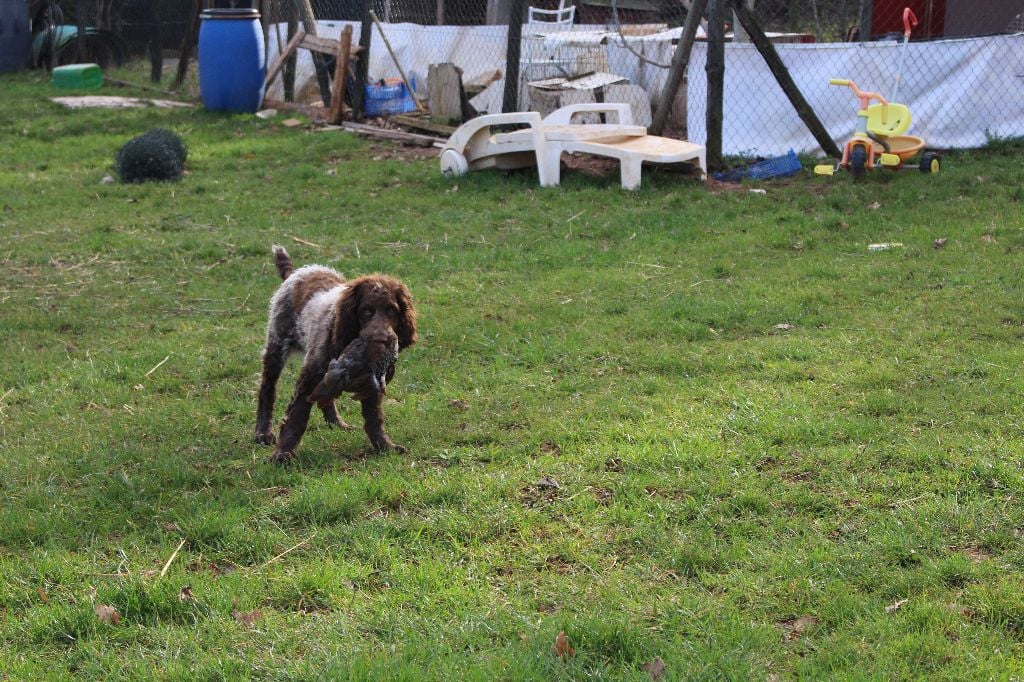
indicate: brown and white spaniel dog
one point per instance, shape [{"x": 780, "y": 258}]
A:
[{"x": 318, "y": 312}]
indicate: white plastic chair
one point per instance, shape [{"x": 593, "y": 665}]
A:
[
  {"x": 564, "y": 16},
  {"x": 537, "y": 61},
  {"x": 475, "y": 146}
]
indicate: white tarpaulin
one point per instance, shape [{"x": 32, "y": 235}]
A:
[
  {"x": 958, "y": 92},
  {"x": 478, "y": 50}
]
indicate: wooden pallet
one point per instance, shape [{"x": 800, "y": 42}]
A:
[{"x": 342, "y": 49}]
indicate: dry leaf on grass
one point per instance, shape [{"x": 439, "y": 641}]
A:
[
  {"x": 896, "y": 605},
  {"x": 108, "y": 614},
  {"x": 186, "y": 594},
  {"x": 247, "y": 618},
  {"x": 562, "y": 647},
  {"x": 42, "y": 595},
  {"x": 940, "y": 242},
  {"x": 784, "y": 326},
  {"x": 550, "y": 448},
  {"x": 794, "y": 628},
  {"x": 988, "y": 239},
  {"x": 655, "y": 668},
  {"x": 459, "y": 404}
]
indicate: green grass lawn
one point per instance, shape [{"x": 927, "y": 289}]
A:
[{"x": 777, "y": 453}]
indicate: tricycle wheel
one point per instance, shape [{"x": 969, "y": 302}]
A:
[
  {"x": 930, "y": 163},
  {"x": 858, "y": 162}
]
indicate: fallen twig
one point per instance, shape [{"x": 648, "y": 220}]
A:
[
  {"x": 155, "y": 369},
  {"x": 181, "y": 544},
  {"x": 292, "y": 548},
  {"x": 303, "y": 241}
]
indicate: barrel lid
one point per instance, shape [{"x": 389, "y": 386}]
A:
[{"x": 226, "y": 13}]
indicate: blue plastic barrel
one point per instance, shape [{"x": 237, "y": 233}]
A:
[
  {"x": 15, "y": 35},
  {"x": 232, "y": 60}
]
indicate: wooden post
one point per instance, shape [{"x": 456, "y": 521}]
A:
[
  {"x": 440, "y": 12},
  {"x": 289, "y": 65},
  {"x": 155, "y": 47},
  {"x": 781, "y": 73},
  {"x": 323, "y": 80},
  {"x": 445, "y": 85},
  {"x": 363, "y": 64},
  {"x": 680, "y": 60},
  {"x": 340, "y": 74},
  {"x": 80, "y": 19},
  {"x": 187, "y": 42},
  {"x": 510, "y": 101},
  {"x": 715, "y": 70},
  {"x": 865, "y": 20}
]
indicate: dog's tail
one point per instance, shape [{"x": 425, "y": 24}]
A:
[{"x": 283, "y": 262}]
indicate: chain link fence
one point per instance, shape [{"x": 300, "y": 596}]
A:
[{"x": 961, "y": 73}]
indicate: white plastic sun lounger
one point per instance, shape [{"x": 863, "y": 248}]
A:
[{"x": 542, "y": 142}]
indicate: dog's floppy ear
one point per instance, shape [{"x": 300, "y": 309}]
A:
[
  {"x": 346, "y": 323},
  {"x": 406, "y": 317}
]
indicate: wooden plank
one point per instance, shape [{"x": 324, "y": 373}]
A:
[
  {"x": 292, "y": 45},
  {"x": 327, "y": 46},
  {"x": 340, "y": 73},
  {"x": 397, "y": 135},
  {"x": 422, "y": 124},
  {"x": 314, "y": 113},
  {"x": 444, "y": 82}
]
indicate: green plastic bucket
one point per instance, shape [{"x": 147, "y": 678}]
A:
[{"x": 77, "y": 77}]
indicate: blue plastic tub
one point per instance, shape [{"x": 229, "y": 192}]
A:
[
  {"x": 390, "y": 98},
  {"x": 778, "y": 167},
  {"x": 232, "y": 61}
]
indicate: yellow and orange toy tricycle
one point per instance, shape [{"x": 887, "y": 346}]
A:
[{"x": 878, "y": 139}]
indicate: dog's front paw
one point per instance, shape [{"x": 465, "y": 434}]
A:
[
  {"x": 385, "y": 444},
  {"x": 265, "y": 438},
  {"x": 282, "y": 457}
]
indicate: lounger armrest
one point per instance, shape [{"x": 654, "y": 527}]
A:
[
  {"x": 564, "y": 115},
  {"x": 464, "y": 133}
]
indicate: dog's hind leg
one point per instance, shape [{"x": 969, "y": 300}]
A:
[
  {"x": 331, "y": 415},
  {"x": 274, "y": 357}
]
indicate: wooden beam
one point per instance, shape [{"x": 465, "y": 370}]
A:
[
  {"x": 396, "y": 135},
  {"x": 327, "y": 46},
  {"x": 340, "y": 74},
  {"x": 363, "y": 65},
  {"x": 422, "y": 124},
  {"x": 680, "y": 61},
  {"x": 715, "y": 70},
  {"x": 187, "y": 41},
  {"x": 309, "y": 26},
  {"x": 510, "y": 100},
  {"x": 781, "y": 73},
  {"x": 279, "y": 63}
]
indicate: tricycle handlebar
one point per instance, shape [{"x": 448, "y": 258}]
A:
[{"x": 864, "y": 97}]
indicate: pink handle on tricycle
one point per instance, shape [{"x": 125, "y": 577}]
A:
[
  {"x": 864, "y": 97},
  {"x": 909, "y": 21}
]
